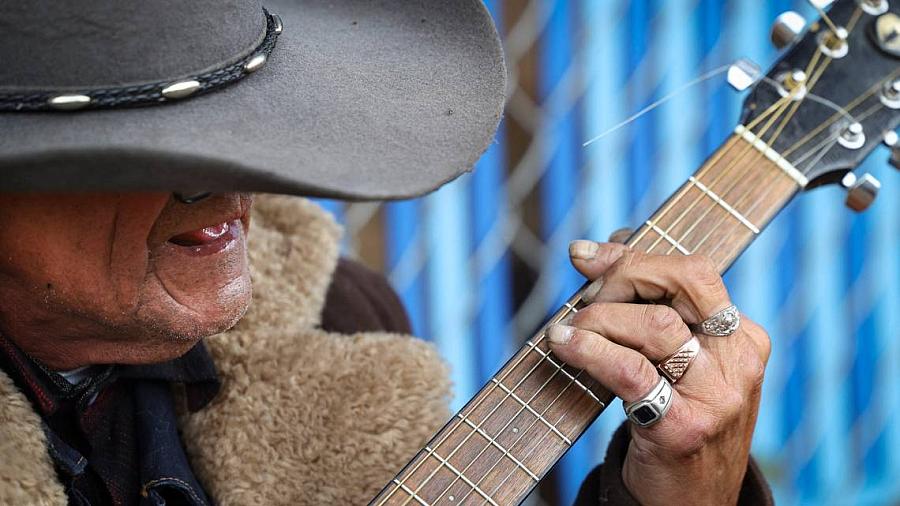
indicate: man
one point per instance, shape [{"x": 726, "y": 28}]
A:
[{"x": 135, "y": 369}]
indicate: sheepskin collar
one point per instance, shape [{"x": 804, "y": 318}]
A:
[{"x": 304, "y": 416}]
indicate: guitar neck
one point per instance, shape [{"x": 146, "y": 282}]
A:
[{"x": 497, "y": 448}]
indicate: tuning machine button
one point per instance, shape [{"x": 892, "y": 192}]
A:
[
  {"x": 861, "y": 191},
  {"x": 890, "y": 94},
  {"x": 892, "y": 141},
  {"x": 787, "y": 28},
  {"x": 743, "y": 73},
  {"x": 874, "y": 7}
]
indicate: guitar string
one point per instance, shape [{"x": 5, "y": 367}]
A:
[
  {"x": 450, "y": 431},
  {"x": 543, "y": 435},
  {"x": 775, "y": 107},
  {"x": 774, "y": 176},
  {"x": 758, "y": 201},
  {"x": 833, "y": 118},
  {"x": 748, "y": 147},
  {"x": 743, "y": 161},
  {"x": 557, "y": 371},
  {"x": 457, "y": 424},
  {"x": 525, "y": 457},
  {"x": 811, "y": 82},
  {"x": 851, "y": 26},
  {"x": 502, "y": 429},
  {"x": 487, "y": 417},
  {"x": 833, "y": 141}
]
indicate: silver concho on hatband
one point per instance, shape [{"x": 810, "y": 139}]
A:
[
  {"x": 153, "y": 93},
  {"x": 652, "y": 407},
  {"x": 722, "y": 324}
]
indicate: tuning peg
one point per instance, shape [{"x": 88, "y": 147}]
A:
[
  {"x": 743, "y": 73},
  {"x": 787, "y": 29},
  {"x": 861, "y": 192},
  {"x": 892, "y": 141}
]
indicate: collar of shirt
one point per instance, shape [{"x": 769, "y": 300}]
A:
[{"x": 136, "y": 396}]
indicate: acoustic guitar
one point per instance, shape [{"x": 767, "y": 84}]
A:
[{"x": 830, "y": 99}]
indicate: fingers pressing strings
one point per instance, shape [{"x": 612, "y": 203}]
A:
[{"x": 691, "y": 284}]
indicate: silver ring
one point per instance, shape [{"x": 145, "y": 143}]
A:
[
  {"x": 722, "y": 324},
  {"x": 652, "y": 407},
  {"x": 674, "y": 366}
]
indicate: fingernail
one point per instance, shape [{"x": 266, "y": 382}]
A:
[
  {"x": 592, "y": 290},
  {"x": 583, "y": 250},
  {"x": 560, "y": 334}
]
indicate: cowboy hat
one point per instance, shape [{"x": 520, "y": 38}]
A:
[{"x": 355, "y": 99}]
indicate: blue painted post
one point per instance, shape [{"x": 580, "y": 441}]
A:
[
  {"x": 492, "y": 303},
  {"x": 558, "y": 191},
  {"x": 405, "y": 260}
]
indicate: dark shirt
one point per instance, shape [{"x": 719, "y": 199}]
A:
[{"x": 113, "y": 437}]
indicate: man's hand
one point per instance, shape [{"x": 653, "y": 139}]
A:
[{"x": 698, "y": 452}]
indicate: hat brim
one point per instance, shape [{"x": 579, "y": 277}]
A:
[{"x": 359, "y": 100}]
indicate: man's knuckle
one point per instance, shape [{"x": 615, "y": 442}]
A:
[
  {"x": 631, "y": 373},
  {"x": 591, "y": 313},
  {"x": 754, "y": 369},
  {"x": 702, "y": 269},
  {"x": 697, "y": 432},
  {"x": 734, "y": 403},
  {"x": 759, "y": 337},
  {"x": 660, "y": 319}
]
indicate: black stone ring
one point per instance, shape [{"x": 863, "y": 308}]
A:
[{"x": 652, "y": 407}]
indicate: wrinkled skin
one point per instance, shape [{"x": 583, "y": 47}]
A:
[
  {"x": 698, "y": 452},
  {"x": 93, "y": 278}
]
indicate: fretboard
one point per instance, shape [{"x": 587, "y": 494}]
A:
[{"x": 497, "y": 448}]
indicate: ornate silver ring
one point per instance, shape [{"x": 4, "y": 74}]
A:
[
  {"x": 722, "y": 324},
  {"x": 674, "y": 366},
  {"x": 652, "y": 407}
]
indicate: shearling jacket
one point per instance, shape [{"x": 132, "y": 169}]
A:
[{"x": 312, "y": 410}]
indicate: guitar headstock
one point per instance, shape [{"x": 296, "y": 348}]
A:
[{"x": 834, "y": 94}]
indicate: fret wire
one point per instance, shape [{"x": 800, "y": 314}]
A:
[
  {"x": 813, "y": 81},
  {"x": 506, "y": 453},
  {"x": 532, "y": 411},
  {"x": 662, "y": 233},
  {"x": 566, "y": 373},
  {"x": 725, "y": 205},
  {"x": 524, "y": 432},
  {"x": 448, "y": 465},
  {"x": 450, "y": 431},
  {"x": 730, "y": 144},
  {"x": 763, "y": 152},
  {"x": 723, "y": 172},
  {"x": 409, "y": 491},
  {"x": 513, "y": 418}
]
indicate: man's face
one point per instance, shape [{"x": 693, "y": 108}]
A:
[{"x": 120, "y": 278}]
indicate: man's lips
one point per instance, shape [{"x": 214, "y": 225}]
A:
[
  {"x": 202, "y": 236},
  {"x": 207, "y": 240}
]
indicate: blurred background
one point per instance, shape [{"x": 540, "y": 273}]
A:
[{"x": 483, "y": 261}]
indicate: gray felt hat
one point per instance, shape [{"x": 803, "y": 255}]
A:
[{"x": 357, "y": 99}]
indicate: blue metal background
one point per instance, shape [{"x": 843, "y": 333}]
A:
[{"x": 823, "y": 281}]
